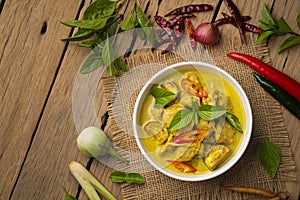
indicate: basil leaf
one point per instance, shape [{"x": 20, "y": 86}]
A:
[
  {"x": 208, "y": 112},
  {"x": 118, "y": 176},
  {"x": 112, "y": 27},
  {"x": 128, "y": 23},
  {"x": 100, "y": 8},
  {"x": 263, "y": 36},
  {"x": 269, "y": 156},
  {"x": 288, "y": 42},
  {"x": 145, "y": 24},
  {"x": 267, "y": 18},
  {"x": 264, "y": 26},
  {"x": 81, "y": 34},
  {"x": 162, "y": 97},
  {"x": 68, "y": 196},
  {"x": 134, "y": 178},
  {"x": 91, "y": 63},
  {"x": 89, "y": 43},
  {"x": 181, "y": 119},
  {"x": 298, "y": 20},
  {"x": 93, "y": 24},
  {"x": 283, "y": 27},
  {"x": 108, "y": 56},
  {"x": 234, "y": 121},
  {"x": 121, "y": 64}
]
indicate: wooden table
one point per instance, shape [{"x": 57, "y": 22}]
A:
[{"x": 37, "y": 73}]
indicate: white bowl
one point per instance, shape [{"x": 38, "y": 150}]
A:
[{"x": 201, "y": 66}]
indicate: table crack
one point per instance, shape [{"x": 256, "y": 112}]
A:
[{"x": 2, "y": 6}]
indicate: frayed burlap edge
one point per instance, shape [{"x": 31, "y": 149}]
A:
[{"x": 275, "y": 123}]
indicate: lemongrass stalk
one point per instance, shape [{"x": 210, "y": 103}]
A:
[
  {"x": 79, "y": 170},
  {"x": 79, "y": 174}
]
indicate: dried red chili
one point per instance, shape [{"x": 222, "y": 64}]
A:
[
  {"x": 179, "y": 30},
  {"x": 162, "y": 39},
  {"x": 282, "y": 80},
  {"x": 189, "y": 9},
  {"x": 173, "y": 21},
  {"x": 237, "y": 17},
  {"x": 163, "y": 23},
  {"x": 246, "y": 26},
  {"x": 228, "y": 19},
  {"x": 252, "y": 28},
  {"x": 191, "y": 30}
]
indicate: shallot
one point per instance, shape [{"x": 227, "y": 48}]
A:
[{"x": 207, "y": 34}]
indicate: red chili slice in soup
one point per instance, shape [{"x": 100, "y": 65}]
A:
[
  {"x": 190, "y": 136},
  {"x": 183, "y": 166},
  {"x": 193, "y": 88}
]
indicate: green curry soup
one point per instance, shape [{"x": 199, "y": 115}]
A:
[{"x": 185, "y": 122}]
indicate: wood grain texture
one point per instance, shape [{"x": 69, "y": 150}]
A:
[
  {"x": 248, "y": 7},
  {"x": 288, "y": 62},
  {"x": 54, "y": 145},
  {"x": 28, "y": 64},
  {"x": 37, "y": 123}
]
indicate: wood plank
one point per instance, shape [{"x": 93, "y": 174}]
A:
[
  {"x": 54, "y": 146},
  {"x": 50, "y": 183},
  {"x": 29, "y": 57},
  {"x": 45, "y": 171},
  {"x": 288, "y": 62}
]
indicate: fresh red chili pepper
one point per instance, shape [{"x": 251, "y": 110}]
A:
[
  {"x": 189, "y": 9},
  {"x": 183, "y": 166},
  {"x": 228, "y": 19},
  {"x": 191, "y": 30},
  {"x": 193, "y": 88},
  {"x": 282, "y": 80},
  {"x": 237, "y": 17},
  {"x": 163, "y": 23},
  {"x": 190, "y": 136},
  {"x": 246, "y": 26}
]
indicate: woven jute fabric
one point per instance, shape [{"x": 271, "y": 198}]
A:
[{"x": 247, "y": 172}]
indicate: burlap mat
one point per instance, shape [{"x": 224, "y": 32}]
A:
[{"x": 248, "y": 172}]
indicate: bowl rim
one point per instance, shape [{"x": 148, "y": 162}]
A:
[{"x": 248, "y": 118}]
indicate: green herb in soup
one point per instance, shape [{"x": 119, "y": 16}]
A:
[{"x": 192, "y": 122}]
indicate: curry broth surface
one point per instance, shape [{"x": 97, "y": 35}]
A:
[{"x": 150, "y": 145}]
